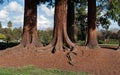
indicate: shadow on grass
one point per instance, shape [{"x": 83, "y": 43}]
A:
[
  {"x": 4, "y": 45},
  {"x": 109, "y": 47}
]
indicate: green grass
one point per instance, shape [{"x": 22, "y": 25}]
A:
[
  {"x": 108, "y": 44},
  {"x": 31, "y": 70}
]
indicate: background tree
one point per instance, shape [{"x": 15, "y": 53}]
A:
[
  {"x": 81, "y": 19},
  {"x": 17, "y": 32},
  {"x": 112, "y": 34},
  {"x": 114, "y": 12},
  {"x": 45, "y": 36},
  {"x": 8, "y": 33},
  {"x": 2, "y": 36},
  {"x": 9, "y": 24},
  {"x": 119, "y": 39},
  {"x": 92, "y": 37},
  {"x": 0, "y": 25},
  {"x": 70, "y": 19}
]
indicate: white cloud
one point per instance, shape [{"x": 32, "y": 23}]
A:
[
  {"x": 18, "y": 19},
  {"x": 4, "y": 15},
  {"x": 14, "y": 7},
  {"x": 48, "y": 11},
  {"x": 42, "y": 17},
  {"x": 43, "y": 22},
  {"x": 45, "y": 17},
  {"x": 14, "y": 12}
]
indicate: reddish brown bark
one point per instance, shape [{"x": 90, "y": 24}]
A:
[
  {"x": 92, "y": 32},
  {"x": 60, "y": 38},
  {"x": 70, "y": 20},
  {"x": 30, "y": 35}
]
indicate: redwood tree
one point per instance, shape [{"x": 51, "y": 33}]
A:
[
  {"x": 92, "y": 37},
  {"x": 30, "y": 35},
  {"x": 70, "y": 19},
  {"x": 60, "y": 38}
]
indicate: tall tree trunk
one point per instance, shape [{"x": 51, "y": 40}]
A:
[
  {"x": 70, "y": 19},
  {"x": 30, "y": 35},
  {"x": 60, "y": 38},
  {"x": 92, "y": 37}
]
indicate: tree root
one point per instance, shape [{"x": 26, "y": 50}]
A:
[
  {"x": 69, "y": 55},
  {"x": 71, "y": 50}
]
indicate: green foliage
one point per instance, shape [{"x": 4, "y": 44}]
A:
[
  {"x": 113, "y": 10},
  {"x": 4, "y": 45},
  {"x": 17, "y": 33},
  {"x": 107, "y": 37},
  {"x": 104, "y": 22},
  {"x": 119, "y": 34},
  {"x": 81, "y": 19},
  {"x": 9, "y": 24},
  {"x": 49, "y": 2},
  {"x": 30, "y": 70},
  {"x": 8, "y": 33},
  {"x": 108, "y": 41},
  {"x": 0, "y": 25},
  {"x": 11, "y": 34},
  {"x": 2, "y": 36},
  {"x": 82, "y": 43},
  {"x": 45, "y": 36}
]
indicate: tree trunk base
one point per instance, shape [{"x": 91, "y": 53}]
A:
[
  {"x": 93, "y": 46},
  {"x": 54, "y": 47}
]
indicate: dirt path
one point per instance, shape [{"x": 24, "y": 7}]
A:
[{"x": 97, "y": 62}]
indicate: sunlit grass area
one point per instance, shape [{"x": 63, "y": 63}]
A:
[{"x": 31, "y": 70}]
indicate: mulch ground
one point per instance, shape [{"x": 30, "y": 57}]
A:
[{"x": 101, "y": 61}]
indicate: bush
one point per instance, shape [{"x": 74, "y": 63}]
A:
[
  {"x": 45, "y": 36},
  {"x": 4, "y": 45},
  {"x": 82, "y": 43},
  {"x": 108, "y": 41}
]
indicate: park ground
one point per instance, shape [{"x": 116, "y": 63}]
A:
[{"x": 100, "y": 61}]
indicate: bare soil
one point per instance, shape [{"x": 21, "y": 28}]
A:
[{"x": 101, "y": 61}]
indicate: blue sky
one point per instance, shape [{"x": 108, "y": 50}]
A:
[{"x": 14, "y": 11}]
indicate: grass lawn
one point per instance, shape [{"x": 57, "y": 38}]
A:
[
  {"x": 31, "y": 70},
  {"x": 108, "y": 44}
]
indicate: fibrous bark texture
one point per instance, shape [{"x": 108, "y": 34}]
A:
[
  {"x": 70, "y": 19},
  {"x": 60, "y": 40},
  {"x": 30, "y": 35},
  {"x": 92, "y": 37}
]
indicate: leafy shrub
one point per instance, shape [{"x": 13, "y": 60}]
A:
[
  {"x": 81, "y": 42},
  {"x": 109, "y": 41},
  {"x": 45, "y": 36}
]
